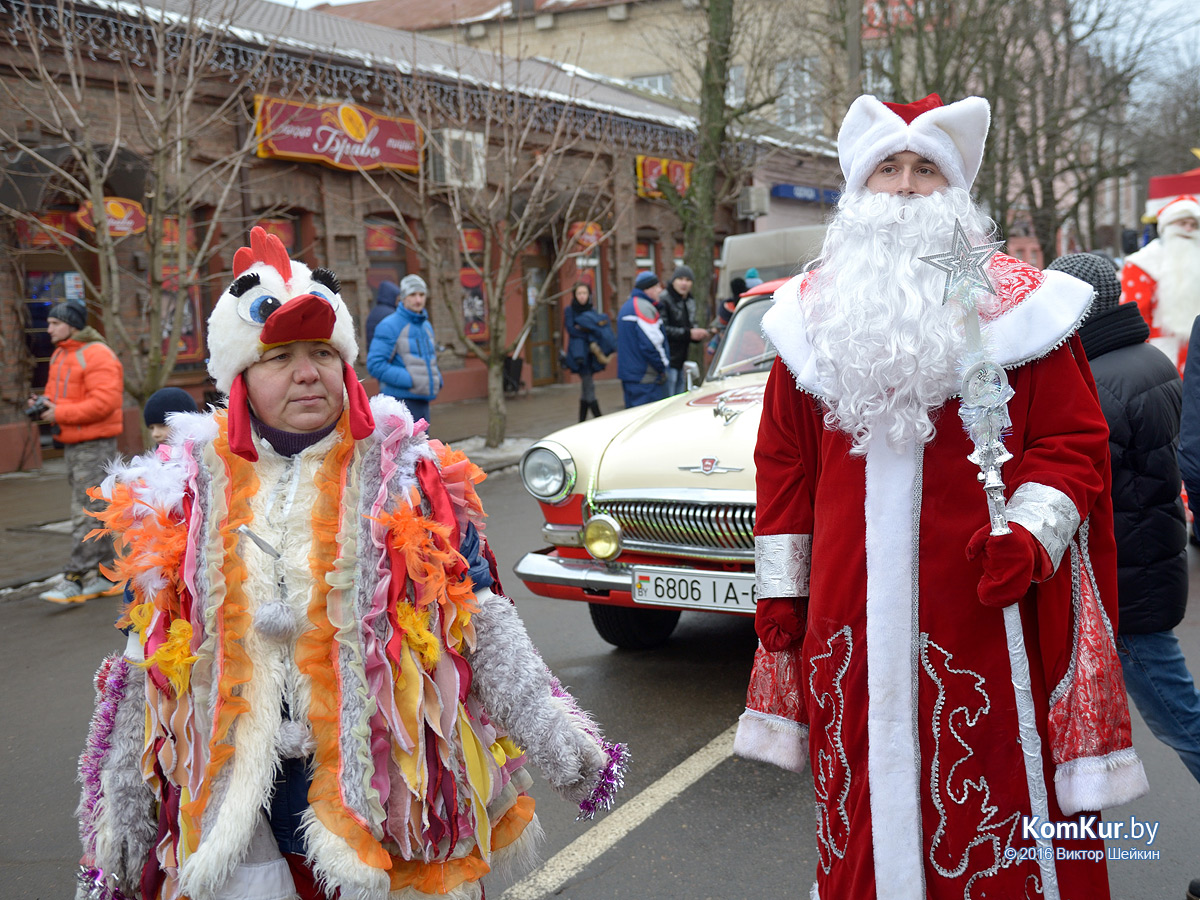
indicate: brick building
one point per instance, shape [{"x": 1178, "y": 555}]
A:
[{"x": 328, "y": 205}]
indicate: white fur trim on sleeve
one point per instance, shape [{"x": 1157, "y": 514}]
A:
[
  {"x": 1102, "y": 782},
  {"x": 772, "y": 739}
]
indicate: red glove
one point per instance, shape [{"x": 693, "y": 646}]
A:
[
  {"x": 1011, "y": 563},
  {"x": 779, "y": 622}
]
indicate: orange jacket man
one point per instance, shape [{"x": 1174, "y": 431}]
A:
[{"x": 83, "y": 402}]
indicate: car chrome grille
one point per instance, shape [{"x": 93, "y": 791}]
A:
[{"x": 698, "y": 529}]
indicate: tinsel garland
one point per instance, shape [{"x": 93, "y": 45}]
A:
[
  {"x": 97, "y": 886},
  {"x": 612, "y": 776},
  {"x": 110, "y": 686}
]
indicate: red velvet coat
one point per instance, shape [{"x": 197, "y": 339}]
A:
[{"x": 902, "y": 687}]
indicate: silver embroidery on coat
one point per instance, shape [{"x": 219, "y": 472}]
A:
[
  {"x": 781, "y": 564},
  {"x": 1046, "y": 513},
  {"x": 953, "y": 752},
  {"x": 830, "y": 766}
]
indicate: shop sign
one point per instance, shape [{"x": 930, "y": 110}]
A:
[
  {"x": 170, "y": 234},
  {"x": 585, "y": 235},
  {"x": 474, "y": 305},
  {"x": 805, "y": 192},
  {"x": 190, "y": 345},
  {"x": 471, "y": 241},
  {"x": 382, "y": 238},
  {"x": 341, "y": 135},
  {"x": 124, "y": 217},
  {"x": 284, "y": 229},
  {"x": 651, "y": 168},
  {"x": 52, "y": 225}
]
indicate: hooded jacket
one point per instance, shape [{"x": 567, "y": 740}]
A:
[
  {"x": 641, "y": 346},
  {"x": 86, "y": 384},
  {"x": 387, "y": 297},
  {"x": 403, "y": 356},
  {"x": 1140, "y": 394}
]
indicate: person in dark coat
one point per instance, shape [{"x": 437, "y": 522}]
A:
[
  {"x": 641, "y": 346},
  {"x": 590, "y": 341},
  {"x": 386, "y": 297},
  {"x": 678, "y": 309},
  {"x": 1141, "y": 394}
]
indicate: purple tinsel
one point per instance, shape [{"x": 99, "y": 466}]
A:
[
  {"x": 612, "y": 778},
  {"x": 110, "y": 688},
  {"x": 97, "y": 887}
]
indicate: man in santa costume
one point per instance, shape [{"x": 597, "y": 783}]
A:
[
  {"x": 950, "y": 752},
  {"x": 1163, "y": 278}
]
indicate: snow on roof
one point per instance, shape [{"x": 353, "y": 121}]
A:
[
  {"x": 378, "y": 47},
  {"x": 421, "y": 15},
  {"x": 373, "y": 46}
]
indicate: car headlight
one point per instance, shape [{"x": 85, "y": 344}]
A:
[
  {"x": 548, "y": 471},
  {"x": 602, "y": 537}
]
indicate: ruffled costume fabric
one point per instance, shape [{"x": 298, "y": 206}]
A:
[{"x": 369, "y": 631}]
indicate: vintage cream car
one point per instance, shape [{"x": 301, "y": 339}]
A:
[{"x": 650, "y": 510}]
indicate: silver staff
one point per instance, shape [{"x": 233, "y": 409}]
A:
[{"x": 984, "y": 412}]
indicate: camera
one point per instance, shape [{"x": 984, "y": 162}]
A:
[{"x": 38, "y": 407}]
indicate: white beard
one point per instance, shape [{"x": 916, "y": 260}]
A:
[
  {"x": 887, "y": 348},
  {"x": 1177, "y": 301}
]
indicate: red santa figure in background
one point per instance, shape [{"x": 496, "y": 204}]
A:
[
  {"x": 884, "y": 657},
  {"x": 1163, "y": 278}
]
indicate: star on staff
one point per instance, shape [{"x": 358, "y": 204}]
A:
[{"x": 965, "y": 265}]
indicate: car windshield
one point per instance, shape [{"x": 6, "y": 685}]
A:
[{"x": 743, "y": 348}]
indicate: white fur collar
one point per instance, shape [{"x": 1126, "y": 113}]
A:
[
  {"x": 1151, "y": 259},
  {"x": 1040, "y": 310}
]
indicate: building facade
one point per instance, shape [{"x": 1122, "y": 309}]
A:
[{"x": 320, "y": 191}]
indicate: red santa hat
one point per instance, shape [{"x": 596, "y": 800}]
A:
[
  {"x": 951, "y": 136},
  {"x": 1185, "y": 207},
  {"x": 275, "y": 300}
]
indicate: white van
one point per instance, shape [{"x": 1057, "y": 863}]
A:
[{"x": 776, "y": 254}]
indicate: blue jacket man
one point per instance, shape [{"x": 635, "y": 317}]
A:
[
  {"x": 642, "y": 359},
  {"x": 403, "y": 355}
]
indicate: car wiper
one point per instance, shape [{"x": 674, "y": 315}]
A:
[{"x": 749, "y": 361}]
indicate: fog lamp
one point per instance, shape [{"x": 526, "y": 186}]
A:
[{"x": 602, "y": 537}]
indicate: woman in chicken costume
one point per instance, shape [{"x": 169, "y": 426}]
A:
[{"x": 324, "y": 692}]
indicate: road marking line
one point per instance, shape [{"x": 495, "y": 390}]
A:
[{"x": 568, "y": 862}]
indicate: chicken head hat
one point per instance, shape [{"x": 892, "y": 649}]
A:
[
  {"x": 275, "y": 300},
  {"x": 951, "y": 136}
]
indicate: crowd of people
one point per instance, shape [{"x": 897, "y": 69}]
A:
[{"x": 324, "y": 692}]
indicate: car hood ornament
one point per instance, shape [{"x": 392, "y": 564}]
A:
[
  {"x": 723, "y": 410},
  {"x": 708, "y": 466}
]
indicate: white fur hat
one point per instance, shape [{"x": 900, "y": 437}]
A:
[
  {"x": 950, "y": 136},
  {"x": 1180, "y": 208}
]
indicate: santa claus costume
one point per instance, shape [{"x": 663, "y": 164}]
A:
[
  {"x": 1163, "y": 279},
  {"x": 325, "y": 691},
  {"x": 898, "y": 685}
]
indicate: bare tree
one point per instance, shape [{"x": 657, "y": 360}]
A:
[
  {"x": 1057, "y": 72},
  {"x": 1166, "y": 123},
  {"x": 733, "y": 58},
  {"x": 515, "y": 160},
  {"x": 155, "y": 89}
]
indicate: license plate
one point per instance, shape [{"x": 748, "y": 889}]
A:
[{"x": 661, "y": 586}]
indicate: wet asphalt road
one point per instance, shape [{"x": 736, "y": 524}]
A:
[{"x": 743, "y": 831}]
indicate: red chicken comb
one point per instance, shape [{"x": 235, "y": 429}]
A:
[{"x": 264, "y": 248}]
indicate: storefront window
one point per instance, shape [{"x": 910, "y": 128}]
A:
[{"x": 385, "y": 253}]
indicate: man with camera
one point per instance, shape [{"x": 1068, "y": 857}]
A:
[{"x": 83, "y": 404}]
